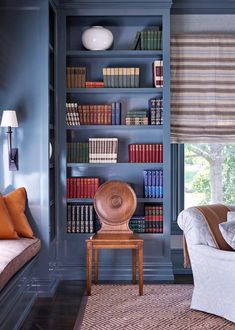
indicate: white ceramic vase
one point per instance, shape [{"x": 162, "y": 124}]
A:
[{"x": 97, "y": 38}]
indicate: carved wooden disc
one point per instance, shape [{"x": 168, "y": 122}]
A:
[{"x": 115, "y": 203}]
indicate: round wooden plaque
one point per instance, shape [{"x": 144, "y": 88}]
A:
[{"x": 115, "y": 202}]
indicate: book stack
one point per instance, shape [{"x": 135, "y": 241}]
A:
[
  {"x": 103, "y": 150},
  {"x": 136, "y": 118},
  {"x": 137, "y": 224},
  {"x": 82, "y": 187},
  {"x": 156, "y": 111},
  {"x": 121, "y": 77},
  {"x": 72, "y": 115},
  {"x": 76, "y": 77},
  {"x": 145, "y": 153},
  {"x": 95, "y": 114},
  {"x": 148, "y": 40},
  {"x": 80, "y": 218},
  {"x": 153, "y": 184},
  {"x": 77, "y": 152},
  {"x": 153, "y": 219},
  {"x": 158, "y": 73},
  {"x": 94, "y": 84}
]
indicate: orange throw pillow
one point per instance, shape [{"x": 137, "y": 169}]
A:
[
  {"x": 15, "y": 202},
  {"x": 7, "y": 230}
]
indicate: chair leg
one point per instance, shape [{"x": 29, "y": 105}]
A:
[
  {"x": 96, "y": 257},
  {"x": 134, "y": 266},
  {"x": 140, "y": 269},
  {"x": 89, "y": 267}
]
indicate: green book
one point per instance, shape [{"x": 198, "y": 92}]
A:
[
  {"x": 124, "y": 80},
  {"x": 132, "y": 78},
  {"x": 120, "y": 77},
  {"x": 142, "y": 40},
  {"x": 116, "y": 78},
  {"x": 137, "y": 77},
  {"x": 128, "y": 77},
  {"x": 112, "y": 84},
  {"x": 148, "y": 39},
  {"x": 108, "y": 71},
  {"x": 104, "y": 70}
]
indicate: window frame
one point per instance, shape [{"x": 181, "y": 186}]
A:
[{"x": 177, "y": 191}]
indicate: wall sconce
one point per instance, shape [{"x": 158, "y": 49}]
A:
[{"x": 9, "y": 120}]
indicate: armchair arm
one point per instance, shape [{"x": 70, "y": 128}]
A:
[
  {"x": 207, "y": 252},
  {"x": 195, "y": 228}
]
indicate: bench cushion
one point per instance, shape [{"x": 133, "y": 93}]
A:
[{"x": 14, "y": 254}]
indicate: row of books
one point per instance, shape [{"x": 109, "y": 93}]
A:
[
  {"x": 145, "y": 153},
  {"x": 138, "y": 117},
  {"x": 76, "y": 77},
  {"x": 78, "y": 152},
  {"x": 153, "y": 216},
  {"x": 72, "y": 114},
  {"x": 158, "y": 73},
  {"x": 93, "y": 114},
  {"x": 80, "y": 218},
  {"x": 156, "y": 111},
  {"x": 148, "y": 40},
  {"x": 153, "y": 184},
  {"x": 103, "y": 150},
  {"x": 121, "y": 77},
  {"x": 78, "y": 187},
  {"x": 113, "y": 77}
]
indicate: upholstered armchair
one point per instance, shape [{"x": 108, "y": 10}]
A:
[{"x": 213, "y": 269}]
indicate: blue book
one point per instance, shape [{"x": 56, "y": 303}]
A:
[
  {"x": 157, "y": 190},
  {"x": 161, "y": 184},
  {"x": 118, "y": 113},
  {"x": 150, "y": 184},
  {"x": 145, "y": 184},
  {"x": 113, "y": 113},
  {"x": 153, "y": 187}
]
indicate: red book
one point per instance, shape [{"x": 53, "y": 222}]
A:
[
  {"x": 153, "y": 153},
  {"x": 147, "y": 153},
  {"x": 143, "y": 160},
  {"x": 81, "y": 193},
  {"x": 156, "y": 153},
  {"x": 160, "y": 153},
  {"x": 136, "y": 153},
  {"x": 85, "y": 190},
  {"x": 150, "y": 153}
]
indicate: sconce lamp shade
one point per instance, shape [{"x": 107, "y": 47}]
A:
[{"x": 9, "y": 119}]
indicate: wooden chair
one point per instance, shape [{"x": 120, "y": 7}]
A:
[{"x": 115, "y": 202}]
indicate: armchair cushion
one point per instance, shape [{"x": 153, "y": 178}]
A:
[{"x": 228, "y": 231}]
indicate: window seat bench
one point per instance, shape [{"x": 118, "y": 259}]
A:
[{"x": 17, "y": 264}]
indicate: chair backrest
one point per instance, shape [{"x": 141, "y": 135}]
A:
[{"x": 115, "y": 203}]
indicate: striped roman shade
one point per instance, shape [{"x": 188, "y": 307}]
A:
[{"x": 203, "y": 88}]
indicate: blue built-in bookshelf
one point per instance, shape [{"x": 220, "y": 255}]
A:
[{"x": 125, "y": 21}]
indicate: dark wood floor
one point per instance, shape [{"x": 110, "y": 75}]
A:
[{"x": 60, "y": 312}]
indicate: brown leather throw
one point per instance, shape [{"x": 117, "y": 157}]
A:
[{"x": 214, "y": 215}]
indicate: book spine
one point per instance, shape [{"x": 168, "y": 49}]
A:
[
  {"x": 145, "y": 184},
  {"x": 117, "y": 113}
]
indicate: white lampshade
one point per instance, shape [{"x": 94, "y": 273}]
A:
[{"x": 9, "y": 118}]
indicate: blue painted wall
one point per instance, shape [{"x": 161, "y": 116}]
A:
[{"x": 24, "y": 87}]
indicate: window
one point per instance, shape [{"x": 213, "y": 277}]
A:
[
  {"x": 209, "y": 174},
  {"x": 201, "y": 174}
]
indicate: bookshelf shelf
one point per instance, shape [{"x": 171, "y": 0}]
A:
[
  {"x": 115, "y": 53},
  {"x": 139, "y": 200},
  {"x": 147, "y": 165},
  {"x": 116, "y": 127},
  {"x": 114, "y": 90}
]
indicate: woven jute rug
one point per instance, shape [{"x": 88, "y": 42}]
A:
[{"x": 163, "y": 307}]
